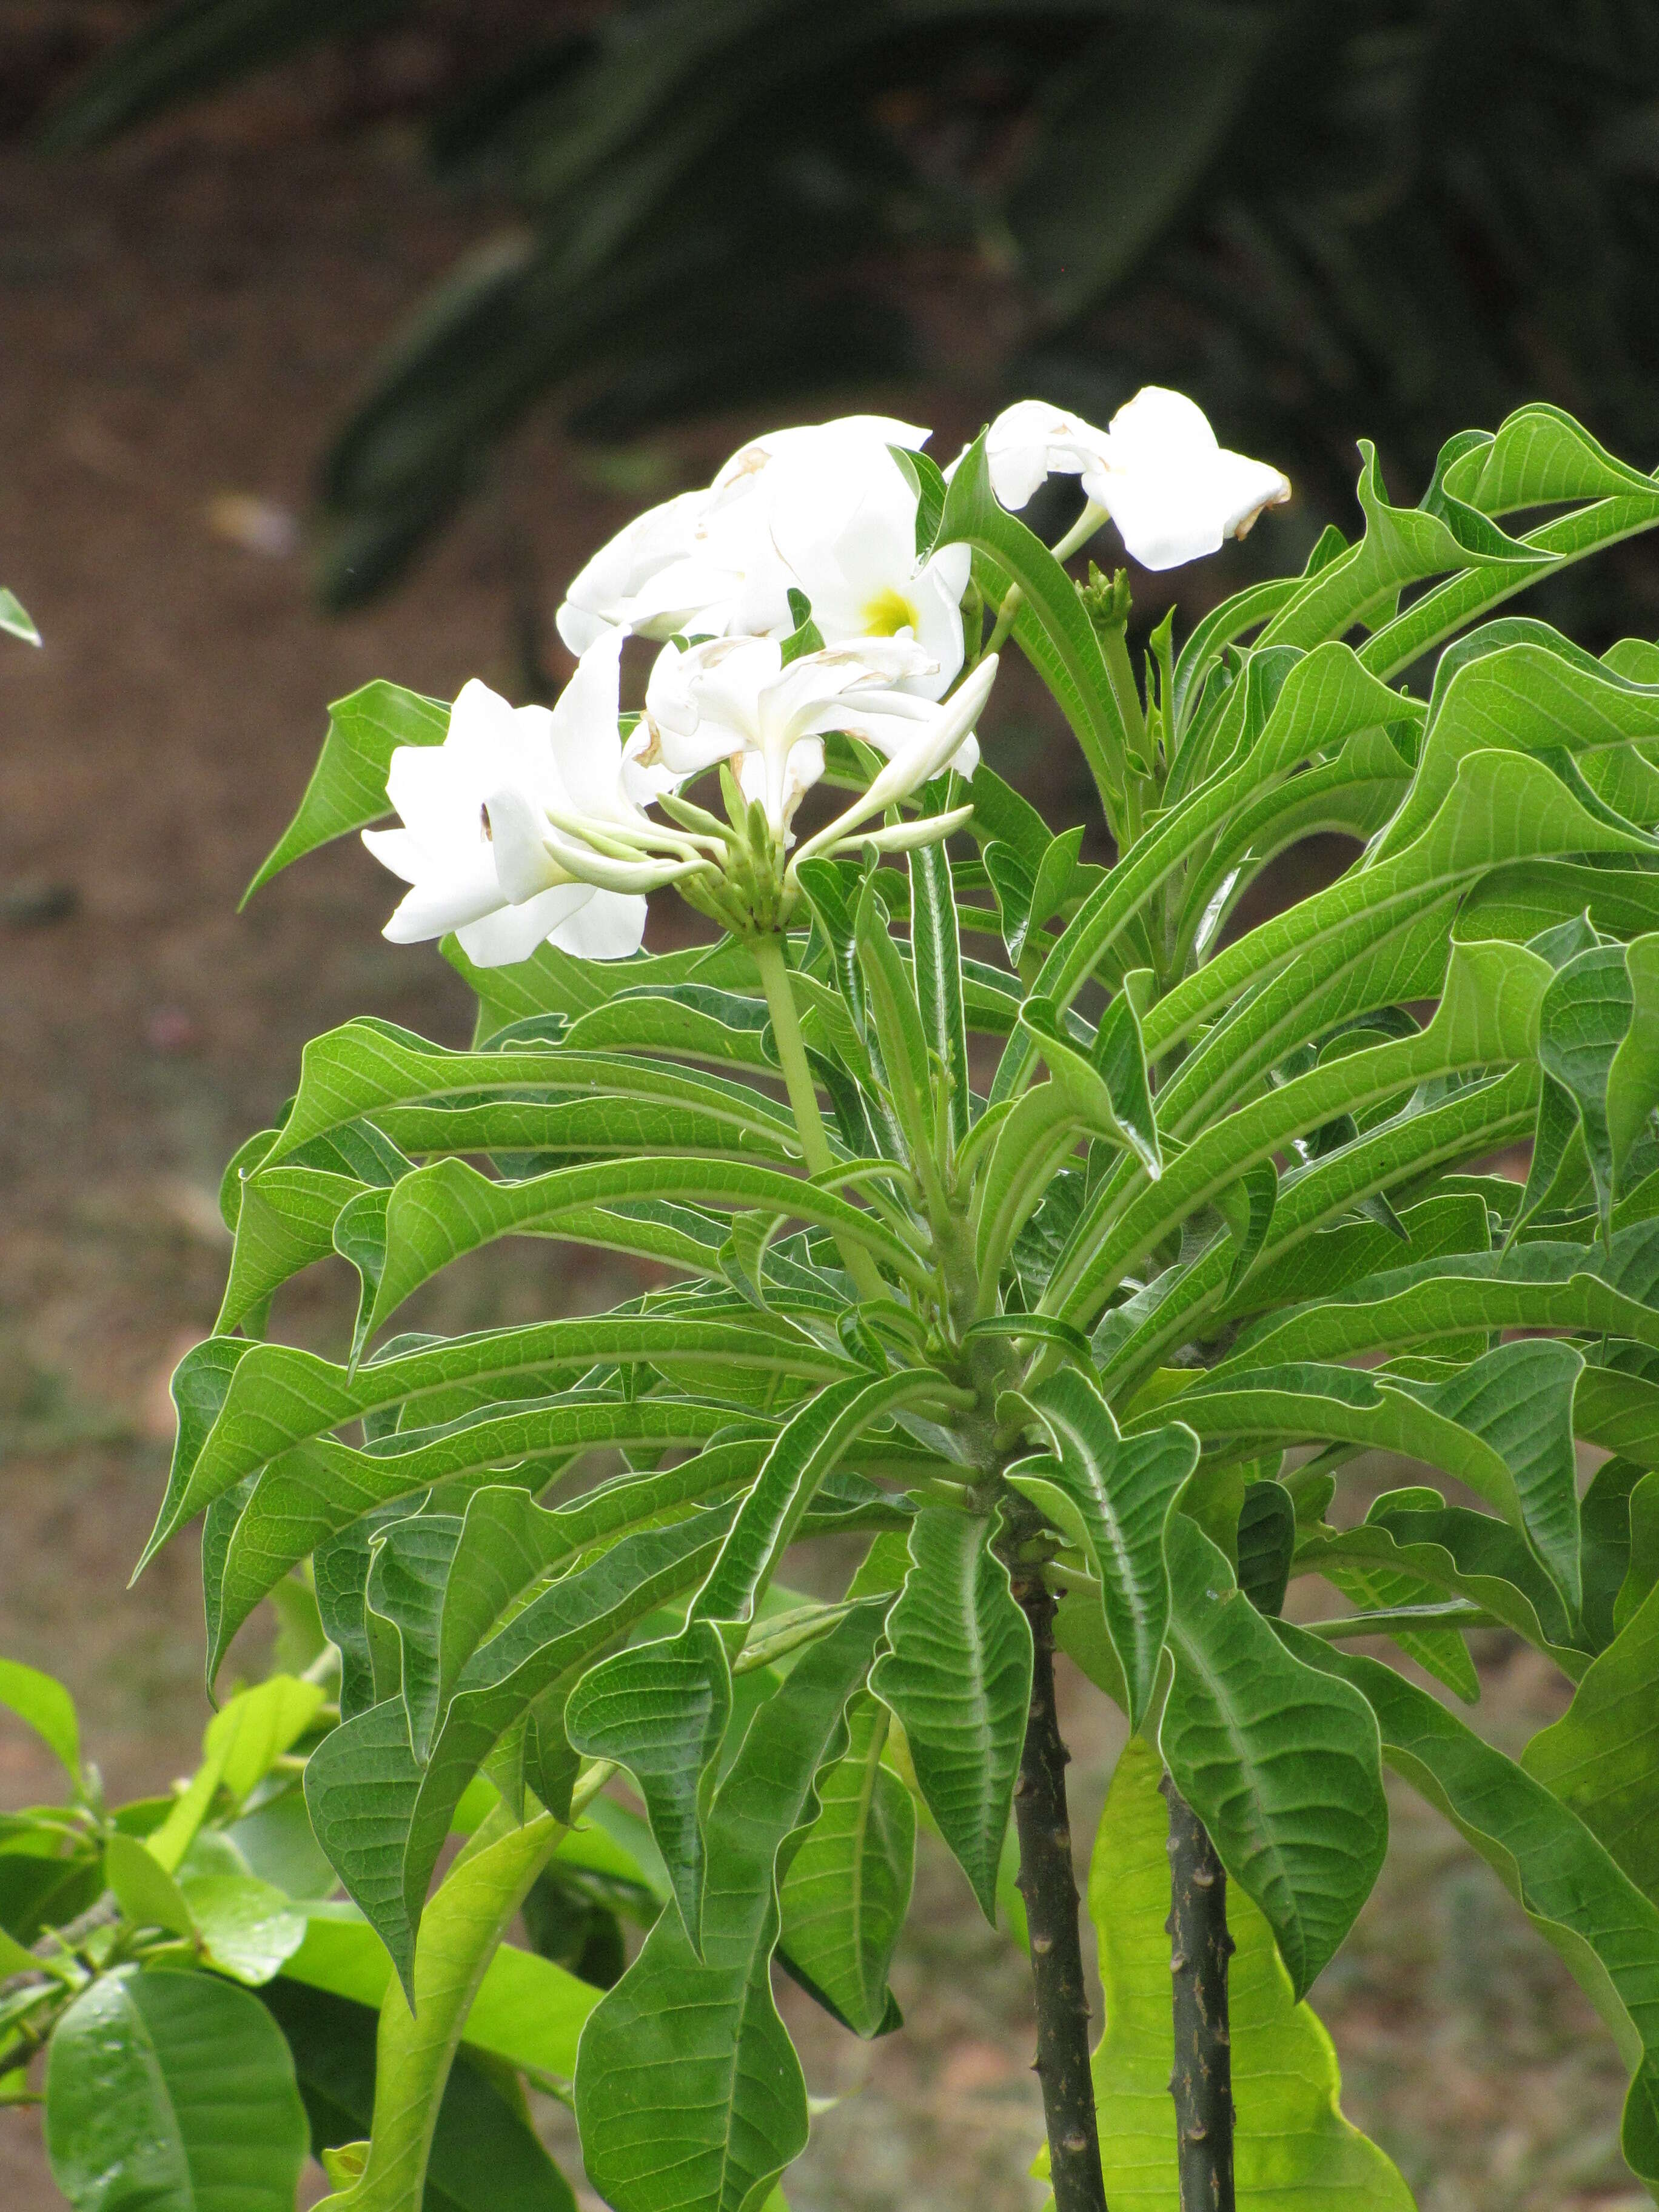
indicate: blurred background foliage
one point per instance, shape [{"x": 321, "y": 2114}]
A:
[{"x": 1398, "y": 217}]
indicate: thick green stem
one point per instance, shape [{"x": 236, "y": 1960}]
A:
[
  {"x": 1202, "y": 2082},
  {"x": 803, "y": 1095},
  {"x": 1048, "y": 1886}
]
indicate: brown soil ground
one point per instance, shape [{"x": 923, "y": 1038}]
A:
[{"x": 179, "y": 322}]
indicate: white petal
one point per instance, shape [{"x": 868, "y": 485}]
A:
[
  {"x": 514, "y": 932},
  {"x": 1174, "y": 494},
  {"x": 621, "y": 570},
  {"x": 1031, "y": 440},
  {"x": 518, "y": 845},
  {"x": 583, "y": 737},
  {"x": 397, "y": 850},
  {"x": 609, "y": 927},
  {"x": 442, "y": 903},
  {"x": 578, "y": 629}
]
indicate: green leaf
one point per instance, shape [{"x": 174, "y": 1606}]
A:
[
  {"x": 1504, "y": 1425},
  {"x": 689, "y": 2093},
  {"x": 431, "y": 1218},
  {"x": 15, "y": 621},
  {"x": 314, "y": 1492},
  {"x": 937, "y": 953},
  {"x": 144, "y": 1890},
  {"x": 278, "y": 1397},
  {"x": 1563, "y": 1879},
  {"x": 844, "y": 1897},
  {"x": 1402, "y": 545},
  {"x": 1107, "y": 1085},
  {"x": 1585, "y": 1019},
  {"x": 247, "y": 1928},
  {"x": 1052, "y": 626},
  {"x": 661, "y": 1709},
  {"x": 1265, "y": 1537},
  {"x": 1632, "y": 1085},
  {"x": 284, "y": 1222},
  {"x": 1283, "y": 1773},
  {"x": 1122, "y": 1491},
  {"x": 1450, "y": 1552},
  {"x": 174, "y": 2092},
  {"x": 47, "y": 1708},
  {"x": 1601, "y": 1758},
  {"x": 382, "y": 1817},
  {"x": 347, "y": 790},
  {"x": 956, "y": 1677},
  {"x": 898, "y": 1018},
  {"x": 1292, "y": 2143}
]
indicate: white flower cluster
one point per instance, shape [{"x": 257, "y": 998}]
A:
[{"x": 526, "y": 825}]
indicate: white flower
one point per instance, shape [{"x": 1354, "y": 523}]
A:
[
  {"x": 736, "y": 698},
  {"x": 1173, "y": 492},
  {"x": 824, "y": 510},
  {"x": 464, "y": 804}
]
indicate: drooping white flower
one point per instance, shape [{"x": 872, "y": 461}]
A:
[
  {"x": 502, "y": 764},
  {"x": 737, "y": 699},
  {"x": 824, "y": 510},
  {"x": 1174, "y": 493}
]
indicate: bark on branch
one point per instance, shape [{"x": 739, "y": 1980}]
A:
[
  {"x": 1049, "y": 1889},
  {"x": 1200, "y": 1947}
]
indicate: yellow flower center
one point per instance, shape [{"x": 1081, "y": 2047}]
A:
[{"x": 887, "y": 613}]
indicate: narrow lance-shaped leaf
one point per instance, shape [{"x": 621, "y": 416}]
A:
[
  {"x": 1563, "y": 1879},
  {"x": 661, "y": 1709},
  {"x": 844, "y": 1897},
  {"x": 1120, "y": 1491},
  {"x": 1284, "y": 1774},
  {"x": 957, "y": 1678},
  {"x": 1602, "y": 1757},
  {"x": 347, "y": 788},
  {"x": 689, "y": 2093}
]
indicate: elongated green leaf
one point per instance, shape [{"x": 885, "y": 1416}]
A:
[
  {"x": 347, "y": 788},
  {"x": 1121, "y": 1490},
  {"x": 278, "y": 1397},
  {"x": 174, "y": 2092},
  {"x": 1563, "y": 1879},
  {"x": 1284, "y": 1776},
  {"x": 957, "y": 1678},
  {"x": 1292, "y": 2143},
  {"x": 689, "y": 2093},
  {"x": 1488, "y": 1013},
  {"x": 844, "y": 1897},
  {"x": 1504, "y": 1425},
  {"x": 1546, "y": 1285},
  {"x": 937, "y": 954},
  {"x": 319, "y": 1488},
  {"x": 1602, "y": 1757},
  {"x": 1400, "y": 545},
  {"x": 285, "y": 1222},
  {"x": 1585, "y": 1019},
  {"x": 15, "y": 620},
  {"x": 368, "y": 1067},
  {"x": 1451, "y": 1551},
  {"x": 1072, "y": 664},
  {"x": 661, "y": 1709},
  {"x": 1632, "y": 1086},
  {"x": 1108, "y": 1084},
  {"x": 695, "y": 1020},
  {"x": 381, "y": 1817},
  {"x": 439, "y": 1213}
]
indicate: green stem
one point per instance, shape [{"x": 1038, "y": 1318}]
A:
[{"x": 803, "y": 1095}]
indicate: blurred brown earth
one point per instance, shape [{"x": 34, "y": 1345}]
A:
[{"x": 179, "y": 323}]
